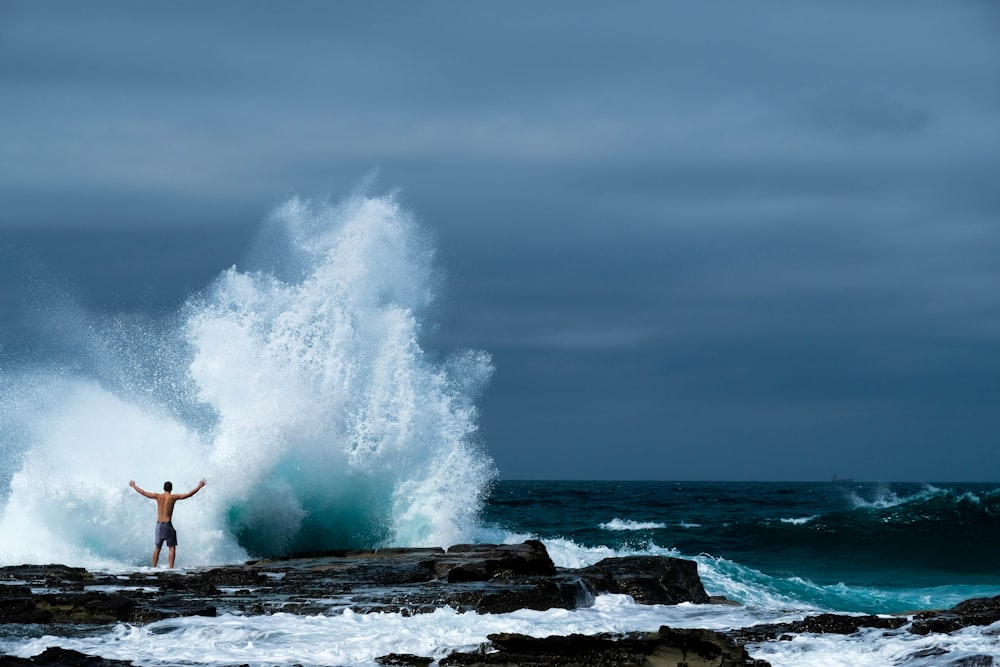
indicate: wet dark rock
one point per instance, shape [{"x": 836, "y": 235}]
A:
[
  {"x": 933, "y": 652},
  {"x": 484, "y": 578},
  {"x": 22, "y": 609},
  {"x": 691, "y": 648},
  {"x": 648, "y": 579},
  {"x": 539, "y": 595},
  {"x": 54, "y": 656},
  {"x": 404, "y": 660},
  {"x": 195, "y": 585},
  {"x": 226, "y": 576},
  {"x": 171, "y": 607},
  {"x": 89, "y": 607},
  {"x": 379, "y": 568},
  {"x": 482, "y": 562},
  {"x": 839, "y": 624},
  {"x": 978, "y": 660},
  {"x": 53, "y": 576},
  {"x": 846, "y": 625},
  {"x": 977, "y": 611},
  {"x": 973, "y": 661},
  {"x": 978, "y": 606}
]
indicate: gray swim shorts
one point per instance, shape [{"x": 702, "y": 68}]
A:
[{"x": 165, "y": 533}]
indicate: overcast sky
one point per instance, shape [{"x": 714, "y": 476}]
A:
[{"x": 713, "y": 240}]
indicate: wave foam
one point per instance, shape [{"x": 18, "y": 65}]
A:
[
  {"x": 799, "y": 521},
  {"x": 302, "y": 393},
  {"x": 623, "y": 524}
]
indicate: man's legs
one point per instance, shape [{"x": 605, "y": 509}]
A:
[
  {"x": 170, "y": 556},
  {"x": 164, "y": 533}
]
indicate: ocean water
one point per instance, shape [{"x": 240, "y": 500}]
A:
[
  {"x": 838, "y": 546},
  {"x": 301, "y": 388},
  {"x": 764, "y": 545}
]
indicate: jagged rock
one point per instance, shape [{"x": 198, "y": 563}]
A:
[
  {"x": 226, "y": 576},
  {"x": 171, "y": 607},
  {"x": 60, "y": 657},
  {"x": 382, "y": 567},
  {"x": 404, "y": 660},
  {"x": 89, "y": 607},
  {"x": 482, "y": 562},
  {"x": 486, "y": 578},
  {"x": 977, "y": 606},
  {"x": 648, "y": 579},
  {"x": 196, "y": 585},
  {"x": 483, "y": 578},
  {"x": 557, "y": 593},
  {"x": 22, "y": 610},
  {"x": 977, "y": 611},
  {"x": 691, "y": 648},
  {"x": 979, "y": 660},
  {"x": 933, "y": 652},
  {"x": 51, "y": 576},
  {"x": 973, "y": 661},
  {"x": 839, "y": 624}
]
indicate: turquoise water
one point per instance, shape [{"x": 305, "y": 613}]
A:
[{"x": 841, "y": 545}]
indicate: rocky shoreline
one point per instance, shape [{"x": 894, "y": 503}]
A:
[{"x": 481, "y": 578}]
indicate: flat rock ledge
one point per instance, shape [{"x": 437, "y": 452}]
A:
[
  {"x": 481, "y": 578},
  {"x": 484, "y": 578}
]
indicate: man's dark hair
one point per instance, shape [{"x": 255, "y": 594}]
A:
[{"x": 168, "y": 487}]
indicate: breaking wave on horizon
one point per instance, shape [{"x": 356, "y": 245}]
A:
[{"x": 300, "y": 390}]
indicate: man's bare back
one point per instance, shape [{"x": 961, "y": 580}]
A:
[{"x": 165, "y": 503}]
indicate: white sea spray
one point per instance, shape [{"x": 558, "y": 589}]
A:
[{"x": 301, "y": 390}]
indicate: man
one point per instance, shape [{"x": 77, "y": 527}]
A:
[{"x": 164, "y": 514}]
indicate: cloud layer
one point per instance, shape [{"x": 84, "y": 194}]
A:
[{"x": 716, "y": 241}]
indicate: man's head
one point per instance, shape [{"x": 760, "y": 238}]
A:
[{"x": 168, "y": 487}]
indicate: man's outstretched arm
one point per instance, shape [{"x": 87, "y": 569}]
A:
[
  {"x": 141, "y": 491},
  {"x": 182, "y": 496}
]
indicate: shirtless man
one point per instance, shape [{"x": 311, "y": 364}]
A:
[{"x": 164, "y": 513}]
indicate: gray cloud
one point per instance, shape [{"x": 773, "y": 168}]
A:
[{"x": 721, "y": 228}]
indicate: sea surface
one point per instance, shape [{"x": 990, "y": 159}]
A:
[
  {"x": 783, "y": 550},
  {"x": 301, "y": 387}
]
